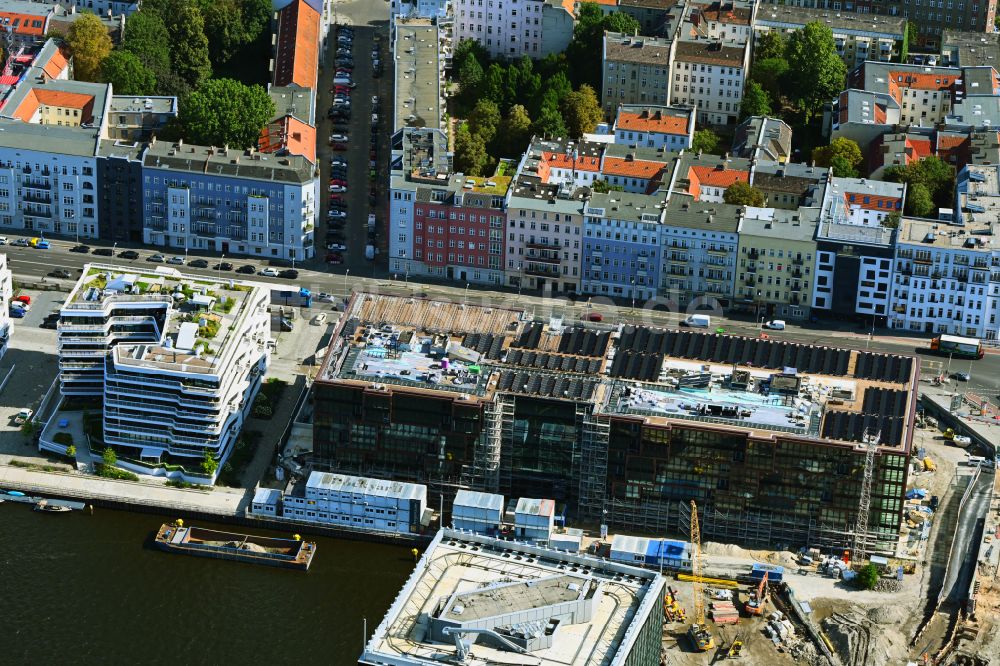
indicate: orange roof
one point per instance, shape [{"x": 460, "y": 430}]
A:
[
  {"x": 609, "y": 3},
  {"x": 720, "y": 176},
  {"x": 922, "y": 81},
  {"x": 564, "y": 161},
  {"x": 888, "y": 203},
  {"x": 643, "y": 122},
  {"x": 921, "y": 147},
  {"x": 37, "y": 97},
  {"x": 618, "y": 166},
  {"x": 56, "y": 65},
  {"x": 297, "y": 59},
  {"x": 950, "y": 141},
  {"x": 291, "y": 134},
  {"x": 25, "y": 24}
]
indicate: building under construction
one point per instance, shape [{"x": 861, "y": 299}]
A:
[{"x": 777, "y": 442}]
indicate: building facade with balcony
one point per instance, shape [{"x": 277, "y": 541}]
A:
[
  {"x": 231, "y": 201},
  {"x": 532, "y": 28},
  {"x": 648, "y": 126},
  {"x": 635, "y": 70},
  {"x": 853, "y": 272},
  {"x": 176, "y": 361},
  {"x": 776, "y": 255},
  {"x": 709, "y": 76},
  {"x": 621, "y": 249}
]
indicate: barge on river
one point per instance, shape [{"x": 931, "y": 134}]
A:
[{"x": 288, "y": 553}]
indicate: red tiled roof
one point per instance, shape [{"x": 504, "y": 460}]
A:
[
  {"x": 564, "y": 161},
  {"x": 888, "y": 203},
  {"x": 56, "y": 65},
  {"x": 25, "y": 24},
  {"x": 921, "y": 147},
  {"x": 645, "y": 169},
  {"x": 291, "y": 134},
  {"x": 719, "y": 176},
  {"x": 37, "y": 97},
  {"x": 950, "y": 141},
  {"x": 922, "y": 81},
  {"x": 297, "y": 59},
  {"x": 644, "y": 122}
]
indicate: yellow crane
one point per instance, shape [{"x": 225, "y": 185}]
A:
[{"x": 697, "y": 632}]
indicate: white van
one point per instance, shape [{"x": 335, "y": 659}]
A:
[
  {"x": 775, "y": 325},
  {"x": 976, "y": 461},
  {"x": 697, "y": 321}
]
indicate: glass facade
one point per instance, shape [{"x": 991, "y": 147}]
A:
[{"x": 543, "y": 457}]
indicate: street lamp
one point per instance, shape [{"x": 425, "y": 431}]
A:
[
  {"x": 346, "y": 293},
  {"x": 465, "y": 299},
  {"x": 632, "y": 282},
  {"x": 113, "y": 248},
  {"x": 221, "y": 259}
]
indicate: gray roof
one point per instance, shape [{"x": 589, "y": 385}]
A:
[
  {"x": 138, "y": 103},
  {"x": 121, "y": 149},
  {"x": 969, "y": 49},
  {"x": 847, "y": 23},
  {"x": 292, "y": 101},
  {"x": 854, "y": 233},
  {"x": 364, "y": 485},
  {"x": 232, "y": 163},
  {"x": 530, "y": 192},
  {"x": 761, "y": 133},
  {"x": 793, "y": 225},
  {"x": 683, "y": 211},
  {"x": 418, "y": 74},
  {"x": 479, "y": 500},
  {"x": 710, "y": 53},
  {"x": 627, "y": 206},
  {"x": 626, "y": 48},
  {"x": 78, "y": 141}
]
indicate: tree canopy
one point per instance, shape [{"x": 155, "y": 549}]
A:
[
  {"x": 226, "y": 112},
  {"x": 867, "y": 577},
  {"x": 127, "y": 74},
  {"x": 743, "y": 194},
  {"x": 232, "y": 24},
  {"x": 90, "y": 44},
  {"x": 769, "y": 45},
  {"x": 842, "y": 147},
  {"x": 581, "y": 111},
  {"x": 842, "y": 167},
  {"x": 771, "y": 74},
  {"x": 919, "y": 201},
  {"x": 585, "y": 48},
  {"x": 755, "y": 101},
  {"x": 471, "y": 157},
  {"x": 706, "y": 141},
  {"x": 147, "y": 39},
  {"x": 485, "y": 120},
  {"x": 515, "y": 132},
  {"x": 816, "y": 72},
  {"x": 188, "y": 43},
  {"x": 937, "y": 176}
]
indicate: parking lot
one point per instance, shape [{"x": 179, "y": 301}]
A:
[{"x": 366, "y": 143}]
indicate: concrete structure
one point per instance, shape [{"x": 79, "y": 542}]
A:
[
  {"x": 728, "y": 21},
  {"x": 101, "y": 7},
  {"x": 858, "y": 37},
  {"x": 119, "y": 198},
  {"x": 504, "y": 598},
  {"x": 359, "y": 503},
  {"x": 658, "y": 18},
  {"x": 477, "y": 512},
  {"x": 6, "y": 292},
  {"x": 533, "y": 519},
  {"x": 924, "y": 94},
  {"x": 266, "y": 503},
  {"x": 177, "y": 359},
  {"x": 763, "y": 138},
  {"x": 654, "y": 126},
  {"x": 709, "y": 75},
  {"x": 230, "y": 201},
  {"x": 533, "y": 28},
  {"x": 438, "y": 9},
  {"x": 635, "y": 70},
  {"x": 134, "y": 119},
  {"x": 493, "y": 401},
  {"x": 777, "y": 248},
  {"x": 863, "y": 116}
]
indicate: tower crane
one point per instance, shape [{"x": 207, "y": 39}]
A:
[{"x": 697, "y": 632}]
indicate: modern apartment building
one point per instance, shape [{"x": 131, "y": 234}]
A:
[
  {"x": 709, "y": 75},
  {"x": 635, "y": 70},
  {"x": 6, "y": 292},
  {"x": 532, "y": 28},
  {"x": 853, "y": 272},
  {"x": 776, "y": 255},
  {"x": 924, "y": 94},
  {"x": 176, "y": 360},
  {"x": 668, "y": 127},
  {"x": 230, "y": 201},
  {"x": 858, "y": 37},
  {"x": 489, "y": 399}
]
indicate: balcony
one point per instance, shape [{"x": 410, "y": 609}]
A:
[
  {"x": 677, "y": 270},
  {"x": 38, "y": 212},
  {"x": 922, "y": 259},
  {"x": 754, "y": 254},
  {"x": 543, "y": 246},
  {"x": 531, "y": 256},
  {"x": 37, "y": 198},
  {"x": 797, "y": 274},
  {"x": 719, "y": 251},
  {"x": 541, "y": 271},
  {"x": 37, "y": 184},
  {"x": 901, "y": 308},
  {"x": 797, "y": 261},
  {"x": 715, "y": 278},
  {"x": 750, "y": 280}
]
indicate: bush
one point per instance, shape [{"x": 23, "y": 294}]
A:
[
  {"x": 71, "y": 451},
  {"x": 109, "y": 472},
  {"x": 109, "y": 457},
  {"x": 867, "y": 577},
  {"x": 262, "y": 408}
]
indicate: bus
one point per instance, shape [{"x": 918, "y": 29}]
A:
[{"x": 952, "y": 345}]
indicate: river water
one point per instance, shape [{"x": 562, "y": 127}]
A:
[{"x": 91, "y": 589}]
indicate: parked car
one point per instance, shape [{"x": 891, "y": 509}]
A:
[
  {"x": 82, "y": 249},
  {"x": 60, "y": 273},
  {"x": 269, "y": 272},
  {"x": 42, "y": 245},
  {"x": 337, "y": 188},
  {"x": 339, "y": 138},
  {"x": 960, "y": 376},
  {"x": 156, "y": 258},
  {"x": 336, "y": 246},
  {"x": 319, "y": 319},
  {"x": 17, "y": 313},
  {"x": 593, "y": 316},
  {"x": 775, "y": 325},
  {"x": 104, "y": 252},
  {"x": 223, "y": 266},
  {"x": 198, "y": 263},
  {"x": 3, "y": 240},
  {"x": 23, "y": 299},
  {"x": 323, "y": 297},
  {"x": 128, "y": 254},
  {"x": 249, "y": 269},
  {"x": 338, "y": 161},
  {"x": 336, "y": 214},
  {"x": 176, "y": 261},
  {"x": 289, "y": 274}
]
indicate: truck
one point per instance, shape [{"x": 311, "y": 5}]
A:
[
  {"x": 952, "y": 345},
  {"x": 697, "y": 321}
]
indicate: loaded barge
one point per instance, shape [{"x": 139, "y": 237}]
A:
[{"x": 288, "y": 553}]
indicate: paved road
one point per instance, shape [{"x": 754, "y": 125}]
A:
[{"x": 967, "y": 538}]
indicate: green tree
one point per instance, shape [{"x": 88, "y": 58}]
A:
[
  {"x": 209, "y": 464},
  {"x": 705, "y": 141},
  {"x": 755, "y": 101},
  {"x": 232, "y": 24},
  {"x": 71, "y": 451},
  {"x": 127, "y": 74},
  {"x": 189, "y": 45},
  {"x": 891, "y": 221},
  {"x": 226, "y": 112},
  {"x": 588, "y": 35},
  {"x": 495, "y": 84},
  {"x": 470, "y": 152},
  {"x": 515, "y": 132},
  {"x": 769, "y": 45},
  {"x": 600, "y": 186},
  {"x": 90, "y": 44},
  {"x": 842, "y": 167},
  {"x": 868, "y": 577},
  {"x": 484, "y": 120},
  {"x": 931, "y": 172},
  {"x": 816, "y": 72},
  {"x": 839, "y": 147},
  {"x": 529, "y": 82},
  {"x": 146, "y": 38},
  {"x": 109, "y": 457},
  {"x": 581, "y": 111},
  {"x": 918, "y": 200},
  {"x": 470, "y": 78},
  {"x": 912, "y": 32},
  {"x": 743, "y": 194},
  {"x": 771, "y": 74},
  {"x": 466, "y": 49},
  {"x": 549, "y": 122}
]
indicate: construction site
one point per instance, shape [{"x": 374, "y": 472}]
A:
[{"x": 807, "y": 461}]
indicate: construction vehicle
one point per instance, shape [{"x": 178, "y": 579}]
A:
[
  {"x": 736, "y": 649},
  {"x": 758, "y": 598},
  {"x": 671, "y": 608},
  {"x": 698, "y": 633}
]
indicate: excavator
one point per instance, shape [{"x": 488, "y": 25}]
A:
[
  {"x": 736, "y": 649},
  {"x": 698, "y": 633},
  {"x": 671, "y": 608},
  {"x": 757, "y": 599}
]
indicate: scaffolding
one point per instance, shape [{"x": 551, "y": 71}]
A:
[
  {"x": 595, "y": 429},
  {"x": 485, "y": 473},
  {"x": 864, "y": 503},
  {"x": 507, "y": 403}
]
